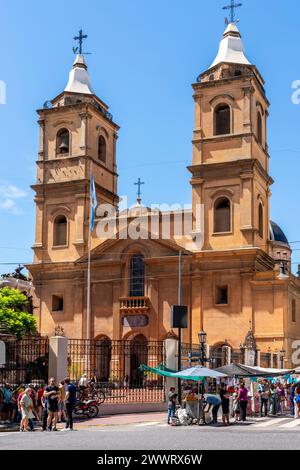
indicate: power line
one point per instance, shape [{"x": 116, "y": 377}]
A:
[{"x": 179, "y": 247}]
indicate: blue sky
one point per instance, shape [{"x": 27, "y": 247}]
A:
[{"x": 145, "y": 56}]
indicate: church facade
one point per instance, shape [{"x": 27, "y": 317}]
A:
[{"x": 239, "y": 282}]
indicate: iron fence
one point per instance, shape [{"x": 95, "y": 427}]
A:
[
  {"x": 217, "y": 357},
  {"x": 25, "y": 360},
  {"x": 115, "y": 367}
]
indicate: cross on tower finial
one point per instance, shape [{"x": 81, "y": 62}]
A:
[
  {"x": 80, "y": 38},
  {"x": 139, "y": 184},
  {"x": 232, "y": 8}
]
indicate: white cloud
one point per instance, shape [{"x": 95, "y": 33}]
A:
[
  {"x": 7, "y": 204},
  {"x": 8, "y": 196},
  {"x": 11, "y": 191}
]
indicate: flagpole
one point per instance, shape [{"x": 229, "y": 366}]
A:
[{"x": 88, "y": 306}]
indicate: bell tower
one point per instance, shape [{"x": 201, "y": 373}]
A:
[
  {"x": 76, "y": 130},
  {"x": 230, "y": 169}
]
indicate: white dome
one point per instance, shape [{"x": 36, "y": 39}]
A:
[
  {"x": 79, "y": 79},
  {"x": 231, "y": 47}
]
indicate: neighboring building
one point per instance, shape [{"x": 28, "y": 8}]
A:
[{"x": 234, "y": 281}]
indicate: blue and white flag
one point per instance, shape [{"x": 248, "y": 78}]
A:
[{"x": 94, "y": 204}]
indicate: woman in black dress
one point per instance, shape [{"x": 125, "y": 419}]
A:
[{"x": 225, "y": 404}]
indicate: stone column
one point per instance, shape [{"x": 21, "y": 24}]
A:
[
  {"x": 2, "y": 353},
  {"x": 58, "y": 357},
  {"x": 42, "y": 139},
  {"x": 171, "y": 347},
  {"x": 84, "y": 132},
  {"x": 271, "y": 360},
  {"x": 226, "y": 353},
  {"x": 258, "y": 357}
]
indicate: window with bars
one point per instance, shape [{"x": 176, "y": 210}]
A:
[{"x": 137, "y": 276}]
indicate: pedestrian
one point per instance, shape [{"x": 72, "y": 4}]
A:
[
  {"x": 33, "y": 396},
  {"x": 61, "y": 403},
  {"x": 52, "y": 394},
  {"x": 224, "y": 395},
  {"x": 243, "y": 399},
  {"x": 26, "y": 405},
  {"x": 15, "y": 413},
  {"x": 280, "y": 398},
  {"x": 297, "y": 400},
  {"x": 70, "y": 400},
  {"x": 44, "y": 402},
  {"x": 172, "y": 406},
  {"x": 39, "y": 397},
  {"x": 236, "y": 409},
  {"x": 1, "y": 405},
  {"x": 171, "y": 392},
  {"x": 7, "y": 403},
  {"x": 126, "y": 382},
  {"x": 273, "y": 400},
  {"x": 264, "y": 395},
  {"x": 291, "y": 392},
  {"x": 83, "y": 386}
]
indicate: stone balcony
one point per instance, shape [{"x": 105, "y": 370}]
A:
[{"x": 134, "y": 304}]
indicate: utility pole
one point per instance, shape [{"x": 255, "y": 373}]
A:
[{"x": 179, "y": 329}]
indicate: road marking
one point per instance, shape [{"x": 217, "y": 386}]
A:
[
  {"x": 153, "y": 423},
  {"x": 271, "y": 422},
  {"x": 292, "y": 424}
]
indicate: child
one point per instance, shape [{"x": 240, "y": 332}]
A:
[{"x": 172, "y": 407}]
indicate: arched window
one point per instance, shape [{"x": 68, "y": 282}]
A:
[
  {"x": 63, "y": 142},
  {"x": 260, "y": 221},
  {"x": 222, "y": 119},
  {"x": 102, "y": 149},
  {"x": 222, "y": 215},
  {"x": 137, "y": 276},
  {"x": 259, "y": 128},
  {"x": 294, "y": 311},
  {"x": 60, "y": 230}
]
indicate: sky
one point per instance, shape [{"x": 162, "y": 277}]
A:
[{"x": 145, "y": 56}]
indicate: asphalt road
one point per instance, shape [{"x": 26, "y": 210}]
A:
[{"x": 266, "y": 435}]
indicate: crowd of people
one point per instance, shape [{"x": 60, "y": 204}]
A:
[
  {"x": 48, "y": 404},
  {"x": 271, "y": 398},
  {"x": 275, "y": 398}
]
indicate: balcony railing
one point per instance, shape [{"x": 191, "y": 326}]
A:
[{"x": 134, "y": 304}]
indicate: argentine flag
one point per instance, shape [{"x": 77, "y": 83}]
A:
[{"x": 93, "y": 202}]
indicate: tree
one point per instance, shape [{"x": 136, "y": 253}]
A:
[
  {"x": 17, "y": 274},
  {"x": 13, "y": 316}
]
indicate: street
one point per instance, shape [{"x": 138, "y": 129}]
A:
[{"x": 280, "y": 433}]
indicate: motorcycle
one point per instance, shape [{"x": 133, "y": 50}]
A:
[{"x": 87, "y": 408}]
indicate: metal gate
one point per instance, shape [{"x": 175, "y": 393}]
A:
[
  {"x": 24, "y": 360},
  {"x": 115, "y": 366}
]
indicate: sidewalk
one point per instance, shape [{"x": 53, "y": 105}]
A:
[
  {"x": 120, "y": 420},
  {"x": 108, "y": 420}
]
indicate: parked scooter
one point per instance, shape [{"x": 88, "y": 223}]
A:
[{"x": 87, "y": 408}]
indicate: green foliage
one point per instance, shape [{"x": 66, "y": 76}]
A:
[{"x": 13, "y": 316}]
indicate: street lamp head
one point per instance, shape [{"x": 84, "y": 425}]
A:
[{"x": 202, "y": 337}]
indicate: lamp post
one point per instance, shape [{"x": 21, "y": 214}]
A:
[{"x": 202, "y": 341}]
